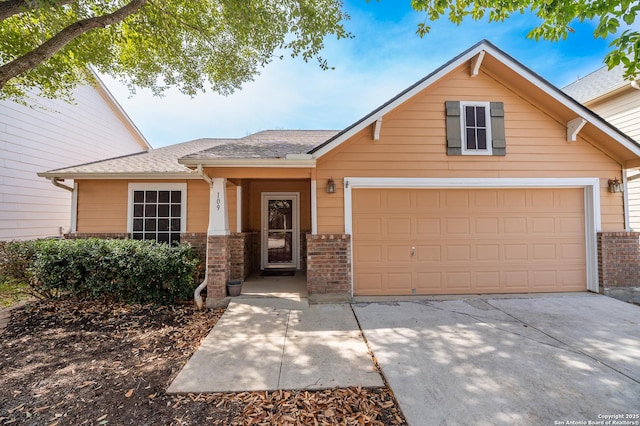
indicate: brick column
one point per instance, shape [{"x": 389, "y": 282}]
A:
[
  {"x": 619, "y": 265},
  {"x": 329, "y": 267},
  {"x": 218, "y": 269}
]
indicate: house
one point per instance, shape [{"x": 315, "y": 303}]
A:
[
  {"x": 608, "y": 94},
  {"x": 51, "y": 134},
  {"x": 480, "y": 178}
]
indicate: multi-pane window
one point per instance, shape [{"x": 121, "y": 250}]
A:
[
  {"x": 476, "y": 128},
  {"x": 157, "y": 215}
]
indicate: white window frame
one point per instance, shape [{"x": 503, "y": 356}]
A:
[
  {"x": 463, "y": 128},
  {"x": 182, "y": 187}
]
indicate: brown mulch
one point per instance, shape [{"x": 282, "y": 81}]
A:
[{"x": 70, "y": 363}]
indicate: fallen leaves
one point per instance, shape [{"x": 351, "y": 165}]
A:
[{"x": 71, "y": 362}]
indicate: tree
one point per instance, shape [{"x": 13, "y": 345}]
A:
[
  {"x": 557, "y": 17},
  {"x": 193, "y": 45}
]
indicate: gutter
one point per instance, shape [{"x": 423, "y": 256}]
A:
[
  {"x": 197, "y": 298},
  {"x": 56, "y": 182}
]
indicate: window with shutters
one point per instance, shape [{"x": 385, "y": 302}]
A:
[
  {"x": 157, "y": 212},
  {"x": 475, "y": 128},
  {"x": 475, "y": 123}
]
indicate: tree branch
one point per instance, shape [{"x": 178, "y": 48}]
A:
[
  {"x": 8, "y": 8},
  {"x": 52, "y": 46}
]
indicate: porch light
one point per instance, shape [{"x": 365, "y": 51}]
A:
[
  {"x": 615, "y": 185},
  {"x": 331, "y": 186}
]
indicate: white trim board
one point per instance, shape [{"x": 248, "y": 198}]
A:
[{"x": 591, "y": 186}]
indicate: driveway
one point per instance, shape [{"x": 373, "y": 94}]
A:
[{"x": 562, "y": 359}]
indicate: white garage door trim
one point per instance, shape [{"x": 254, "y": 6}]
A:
[{"x": 591, "y": 188}]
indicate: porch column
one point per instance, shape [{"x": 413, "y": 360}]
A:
[
  {"x": 218, "y": 244},
  {"x": 218, "y": 212}
]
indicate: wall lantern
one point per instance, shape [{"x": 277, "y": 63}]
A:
[
  {"x": 615, "y": 185},
  {"x": 331, "y": 186}
]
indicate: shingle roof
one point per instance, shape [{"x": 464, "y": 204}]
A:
[
  {"x": 267, "y": 144},
  {"x": 159, "y": 160},
  {"x": 596, "y": 84}
]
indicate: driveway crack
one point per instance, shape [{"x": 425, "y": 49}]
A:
[{"x": 284, "y": 344}]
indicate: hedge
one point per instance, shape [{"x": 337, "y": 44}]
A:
[{"x": 126, "y": 270}]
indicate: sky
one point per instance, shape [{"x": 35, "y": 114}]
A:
[{"x": 385, "y": 57}]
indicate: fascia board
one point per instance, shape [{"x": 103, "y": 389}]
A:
[{"x": 106, "y": 176}]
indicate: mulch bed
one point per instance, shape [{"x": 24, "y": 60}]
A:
[{"x": 98, "y": 363}]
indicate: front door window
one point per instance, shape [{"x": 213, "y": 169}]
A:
[{"x": 280, "y": 223}]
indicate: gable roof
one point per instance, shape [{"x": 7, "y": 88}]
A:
[
  {"x": 599, "y": 83},
  {"x": 519, "y": 76}
]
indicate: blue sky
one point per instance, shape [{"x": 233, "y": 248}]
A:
[{"x": 385, "y": 57}]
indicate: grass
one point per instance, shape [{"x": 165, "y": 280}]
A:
[{"x": 12, "y": 292}]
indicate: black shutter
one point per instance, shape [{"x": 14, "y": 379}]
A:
[
  {"x": 454, "y": 139},
  {"x": 498, "y": 140}
]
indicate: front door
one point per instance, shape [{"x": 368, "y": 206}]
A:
[{"x": 280, "y": 235}]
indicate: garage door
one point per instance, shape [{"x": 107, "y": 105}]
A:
[{"x": 461, "y": 241}]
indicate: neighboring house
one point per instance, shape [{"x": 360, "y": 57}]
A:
[
  {"x": 52, "y": 134},
  {"x": 480, "y": 178},
  {"x": 617, "y": 100}
]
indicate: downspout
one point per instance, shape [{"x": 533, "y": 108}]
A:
[
  {"x": 56, "y": 182},
  {"x": 196, "y": 293}
]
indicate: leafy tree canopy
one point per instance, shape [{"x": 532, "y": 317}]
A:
[
  {"x": 557, "y": 17},
  {"x": 193, "y": 45}
]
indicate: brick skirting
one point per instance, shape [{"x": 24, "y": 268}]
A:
[
  {"x": 329, "y": 266},
  {"x": 619, "y": 264},
  {"x": 103, "y": 235}
]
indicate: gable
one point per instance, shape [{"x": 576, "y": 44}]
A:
[{"x": 486, "y": 59}]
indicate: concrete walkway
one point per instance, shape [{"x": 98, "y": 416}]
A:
[{"x": 269, "y": 343}]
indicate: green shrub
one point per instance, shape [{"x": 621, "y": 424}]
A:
[
  {"x": 15, "y": 260},
  {"x": 127, "y": 270}
]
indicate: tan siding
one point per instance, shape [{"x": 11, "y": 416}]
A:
[
  {"x": 197, "y": 206},
  {"x": 102, "y": 205},
  {"x": 232, "y": 206},
  {"x": 413, "y": 144}
]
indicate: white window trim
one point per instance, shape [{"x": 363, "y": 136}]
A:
[
  {"x": 591, "y": 186},
  {"x": 182, "y": 187},
  {"x": 463, "y": 129}
]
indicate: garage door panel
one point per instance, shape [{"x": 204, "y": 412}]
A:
[
  {"x": 427, "y": 227},
  {"x": 487, "y": 252},
  {"x": 487, "y": 225},
  {"x": 399, "y": 227},
  {"x": 458, "y": 225},
  {"x": 429, "y": 282},
  {"x": 469, "y": 241},
  {"x": 429, "y": 253},
  {"x": 459, "y": 280}
]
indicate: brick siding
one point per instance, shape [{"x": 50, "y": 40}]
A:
[
  {"x": 329, "y": 265},
  {"x": 618, "y": 259},
  {"x": 218, "y": 268}
]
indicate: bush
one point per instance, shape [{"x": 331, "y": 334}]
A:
[
  {"x": 126, "y": 270},
  {"x": 15, "y": 259}
]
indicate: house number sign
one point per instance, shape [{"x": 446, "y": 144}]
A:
[{"x": 218, "y": 202}]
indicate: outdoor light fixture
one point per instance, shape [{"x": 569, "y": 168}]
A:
[
  {"x": 615, "y": 185},
  {"x": 331, "y": 186}
]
